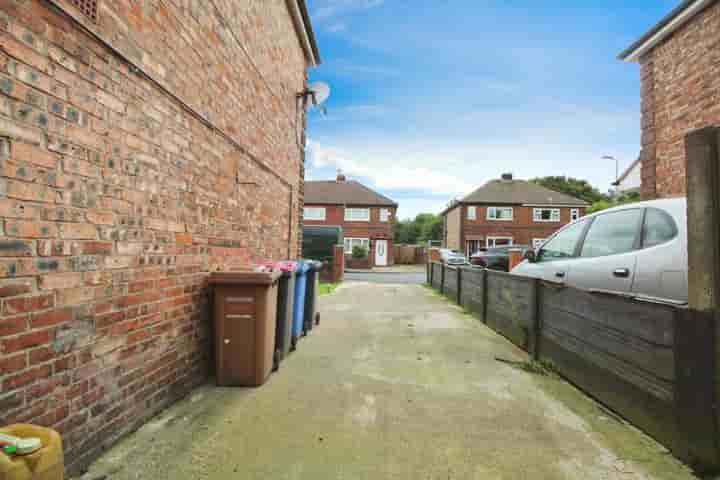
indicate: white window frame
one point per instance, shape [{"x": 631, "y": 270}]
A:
[
  {"x": 472, "y": 213},
  {"x": 350, "y": 242},
  {"x": 537, "y": 242},
  {"x": 492, "y": 209},
  {"x": 353, "y": 218},
  {"x": 488, "y": 240},
  {"x": 306, "y": 216},
  {"x": 574, "y": 214},
  {"x": 385, "y": 215},
  {"x": 554, "y": 215}
]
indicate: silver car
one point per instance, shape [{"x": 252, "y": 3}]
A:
[
  {"x": 452, "y": 257},
  {"x": 638, "y": 249}
]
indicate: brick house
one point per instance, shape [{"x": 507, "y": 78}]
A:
[
  {"x": 367, "y": 218},
  {"x": 507, "y": 211},
  {"x": 142, "y": 145},
  {"x": 679, "y": 90}
]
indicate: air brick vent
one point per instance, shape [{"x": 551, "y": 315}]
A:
[{"x": 87, "y": 7}]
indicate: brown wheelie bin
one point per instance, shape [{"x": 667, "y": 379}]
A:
[{"x": 244, "y": 319}]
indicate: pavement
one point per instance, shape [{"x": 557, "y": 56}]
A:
[
  {"x": 398, "y": 274},
  {"x": 396, "y": 383}
]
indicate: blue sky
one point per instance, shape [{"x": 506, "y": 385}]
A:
[{"x": 432, "y": 98}]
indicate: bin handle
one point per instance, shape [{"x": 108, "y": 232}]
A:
[
  {"x": 238, "y": 317},
  {"x": 239, "y": 299}
]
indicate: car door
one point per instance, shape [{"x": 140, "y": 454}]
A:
[
  {"x": 555, "y": 258},
  {"x": 608, "y": 255},
  {"x": 661, "y": 262}
]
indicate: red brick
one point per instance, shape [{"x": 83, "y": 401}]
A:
[
  {"x": 60, "y": 280},
  {"x": 35, "y": 155},
  {"x": 13, "y": 288},
  {"x": 14, "y": 306},
  {"x": 26, "y": 341},
  {"x": 26, "y": 378},
  {"x": 50, "y": 318},
  {"x": 41, "y": 355},
  {"x": 30, "y": 229},
  {"x": 30, "y": 191},
  {"x": 15, "y": 209},
  {"x": 97, "y": 248},
  {"x": 79, "y": 231},
  {"x": 16, "y": 248},
  {"x": 13, "y": 325},
  {"x": 22, "y": 52},
  {"x": 12, "y": 364}
]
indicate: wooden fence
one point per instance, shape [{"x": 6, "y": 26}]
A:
[
  {"x": 410, "y": 254},
  {"x": 652, "y": 363}
]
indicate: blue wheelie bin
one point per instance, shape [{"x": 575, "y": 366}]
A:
[
  {"x": 312, "y": 289},
  {"x": 299, "y": 303}
]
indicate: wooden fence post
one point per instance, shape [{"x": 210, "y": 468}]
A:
[
  {"x": 459, "y": 286},
  {"x": 484, "y": 295},
  {"x": 696, "y": 385},
  {"x": 442, "y": 278}
]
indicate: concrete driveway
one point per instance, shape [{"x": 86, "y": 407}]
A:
[{"x": 395, "y": 384}]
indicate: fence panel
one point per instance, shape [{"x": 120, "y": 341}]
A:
[
  {"x": 618, "y": 350},
  {"x": 452, "y": 285},
  {"x": 472, "y": 291},
  {"x": 436, "y": 275},
  {"x": 511, "y": 306}
]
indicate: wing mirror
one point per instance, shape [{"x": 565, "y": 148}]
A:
[{"x": 530, "y": 256}]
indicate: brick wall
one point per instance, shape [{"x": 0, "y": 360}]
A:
[
  {"x": 132, "y": 164},
  {"x": 680, "y": 89},
  {"x": 453, "y": 229},
  {"x": 335, "y": 215},
  {"x": 522, "y": 229}
]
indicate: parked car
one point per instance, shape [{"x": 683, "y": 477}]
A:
[
  {"x": 638, "y": 249},
  {"x": 496, "y": 258},
  {"x": 452, "y": 257}
]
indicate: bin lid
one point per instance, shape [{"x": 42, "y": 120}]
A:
[
  {"x": 285, "y": 266},
  {"x": 244, "y": 278},
  {"x": 302, "y": 266}
]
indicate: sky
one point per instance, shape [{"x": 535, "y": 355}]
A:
[{"x": 432, "y": 98}]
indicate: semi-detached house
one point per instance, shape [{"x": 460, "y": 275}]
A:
[
  {"x": 367, "y": 217},
  {"x": 143, "y": 144},
  {"x": 507, "y": 211}
]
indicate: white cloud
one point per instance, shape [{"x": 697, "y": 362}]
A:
[
  {"x": 333, "y": 8},
  {"x": 337, "y": 27},
  {"x": 389, "y": 173}
]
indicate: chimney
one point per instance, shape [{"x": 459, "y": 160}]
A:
[
  {"x": 341, "y": 177},
  {"x": 506, "y": 176}
]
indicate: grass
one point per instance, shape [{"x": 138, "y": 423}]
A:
[{"x": 327, "y": 288}]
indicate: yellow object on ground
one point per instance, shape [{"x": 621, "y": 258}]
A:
[{"x": 45, "y": 464}]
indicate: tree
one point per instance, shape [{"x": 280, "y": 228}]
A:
[
  {"x": 572, "y": 186},
  {"x": 424, "y": 227},
  {"x": 621, "y": 199}
]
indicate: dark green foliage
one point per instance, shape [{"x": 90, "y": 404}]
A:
[
  {"x": 572, "y": 186},
  {"x": 359, "y": 251},
  {"x": 424, "y": 227}
]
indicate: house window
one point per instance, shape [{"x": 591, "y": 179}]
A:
[
  {"x": 314, "y": 213},
  {"x": 357, "y": 214},
  {"x": 537, "y": 243},
  {"x": 500, "y": 213},
  {"x": 472, "y": 213},
  {"x": 384, "y": 214},
  {"x": 356, "y": 242},
  {"x": 546, "y": 214},
  {"x": 498, "y": 241},
  {"x": 574, "y": 214}
]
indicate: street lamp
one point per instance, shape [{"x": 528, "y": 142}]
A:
[{"x": 617, "y": 169}]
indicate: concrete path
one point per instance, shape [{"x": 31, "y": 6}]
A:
[
  {"x": 395, "y": 384},
  {"x": 415, "y": 278}
]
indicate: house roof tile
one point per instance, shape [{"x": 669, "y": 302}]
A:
[{"x": 349, "y": 192}]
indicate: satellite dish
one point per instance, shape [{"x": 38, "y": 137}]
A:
[{"x": 319, "y": 92}]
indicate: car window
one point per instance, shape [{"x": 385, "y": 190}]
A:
[
  {"x": 659, "y": 228},
  {"x": 612, "y": 233},
  {"x": 563, "y": 244}
]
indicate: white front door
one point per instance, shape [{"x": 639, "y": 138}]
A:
[{"x": 381, "y": 253}]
